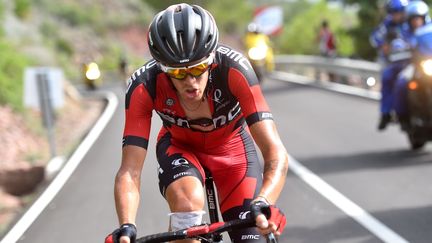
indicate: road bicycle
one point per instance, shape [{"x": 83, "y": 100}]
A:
[{"x": 210, "y": 232}]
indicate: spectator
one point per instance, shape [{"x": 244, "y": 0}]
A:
[{"x": 327, "y": 44}]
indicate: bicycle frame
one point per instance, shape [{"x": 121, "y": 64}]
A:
[
  {"x": 212, "y": 204},
  {"x": 207, "y": 232},
  {"x": 214, "y": 212}
]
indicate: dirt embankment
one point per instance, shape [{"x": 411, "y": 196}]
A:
[{"x": 24, "y": 150}]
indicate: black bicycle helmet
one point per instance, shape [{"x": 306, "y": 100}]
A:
[{"x": 181, "y": 34}]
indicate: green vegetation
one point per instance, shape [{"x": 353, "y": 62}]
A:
[
  {"x": 68, "y": 27},
  {"x": 370, "y": 15},
  {"x": 12, "y": 66},
  {"x": 74, "y": 13},
  {"x": 1, "y": 9},
  {"x": 22, "y": 8},
  {"x": 299, "y": 34},
  {"x": 232, "y": 16}
]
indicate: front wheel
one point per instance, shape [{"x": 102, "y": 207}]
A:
[{"x": 416, "y": 142}]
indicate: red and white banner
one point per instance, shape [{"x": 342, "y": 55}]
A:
[{"x": 269, "y": 19}]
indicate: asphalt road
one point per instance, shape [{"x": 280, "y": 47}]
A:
[{"x": 333, "y": 135}]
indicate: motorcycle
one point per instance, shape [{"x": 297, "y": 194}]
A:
[
  {"x": 260, "y": 54},
  {"x": 257, "y": 57},
  {"x": 418, "y": 124},
  {"x": 92, "y": 75}
]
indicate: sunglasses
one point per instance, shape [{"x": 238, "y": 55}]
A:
[{"x": 195, "y": 70}]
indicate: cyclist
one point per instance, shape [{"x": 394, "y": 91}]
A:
[
  {"x": 393, "y": 23},
  {"x": 212, "y": 109}
]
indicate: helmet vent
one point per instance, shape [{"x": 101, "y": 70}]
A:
[
  {"x": 209, "y": 39},
  {"x": 179, "y": 39},
  {"x": 168, "y": 45},
  {"x": 178, "y": 8},
  {"x": 194, "y": 45}
]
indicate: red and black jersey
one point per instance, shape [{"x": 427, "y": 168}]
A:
[{"x": 232, "y": 91}]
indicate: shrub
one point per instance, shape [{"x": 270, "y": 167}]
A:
[
  {"x": 12, "y": 65},
  {"x": 22, "y": 8}
]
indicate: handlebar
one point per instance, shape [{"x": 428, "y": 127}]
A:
[{"x": 203, "y": 231}]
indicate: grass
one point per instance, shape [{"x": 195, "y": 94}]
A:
[{"x": 12, "y": 66}]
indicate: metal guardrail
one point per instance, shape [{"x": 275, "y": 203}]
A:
[{"x": 340, "y": 66}]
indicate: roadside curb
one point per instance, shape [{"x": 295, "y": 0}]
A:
[{"x": 16, "y": 232}]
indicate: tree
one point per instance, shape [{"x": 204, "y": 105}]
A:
[
  {"x": 370, "y": 14},
  {"x": 159, "y": 5},
  {"x": 300, "y": 33}
]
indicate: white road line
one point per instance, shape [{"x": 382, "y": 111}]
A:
[
  {"x": 344, "y": 204},
  {"x": 39, "y": 205}
]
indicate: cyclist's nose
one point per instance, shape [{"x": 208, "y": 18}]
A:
[{"x": 190, "y": 79}]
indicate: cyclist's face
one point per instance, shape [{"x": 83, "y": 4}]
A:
[{"x": 191, "y": 88}]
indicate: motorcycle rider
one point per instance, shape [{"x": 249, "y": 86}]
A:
[
  {"x": 393, "y": 23},
  {"x": 417, "y": 13},
  {"x": 254, "y": 37},
  {"x": 91, "y": 75}
]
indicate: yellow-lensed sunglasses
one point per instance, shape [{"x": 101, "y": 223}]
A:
[{"x": 195, "y": 70}]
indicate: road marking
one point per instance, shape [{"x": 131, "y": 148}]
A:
[
  {"x": 40, "y": 204},
  {"x": 344, "y": 204}
]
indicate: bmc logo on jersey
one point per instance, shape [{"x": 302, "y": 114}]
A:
[
  {"x": 217, "y": 121},
  {"x": 243, "y": 215},
  {"x": 250, "y": 237},
  {"x": 142, "y": 69},
  {"x": 235, "y": 55},
  {"x": 180, "y": 162}
]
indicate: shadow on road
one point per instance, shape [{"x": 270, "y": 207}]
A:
[
  {"x": 410, "y": 223},
  {"x": 377, "y": 160}
]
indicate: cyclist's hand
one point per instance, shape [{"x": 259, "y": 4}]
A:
[
  {"x": 125, "y": 234},
  {"x": 269, "y": 218},
  {"x": 125, "y": 239}
]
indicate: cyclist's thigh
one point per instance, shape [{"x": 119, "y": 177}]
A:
[
  {"x": 175, "y": 163},
  {"x": 239, "y": 184}
]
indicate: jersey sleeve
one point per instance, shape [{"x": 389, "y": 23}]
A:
[
  {"x": 378, "y": 36},
  {"x": 138, "y": 113},
  {"x": 244, "y": 85}
]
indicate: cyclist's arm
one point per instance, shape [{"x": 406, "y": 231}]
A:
[
  {"x": 275, "y": 159},
  {"x": 127, "y": 183},
  {"x": 244, "y": 85},
  {"x": 139, "y": 106}
]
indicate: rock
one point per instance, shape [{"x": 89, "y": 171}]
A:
[{"x": 21, "y": 178}]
